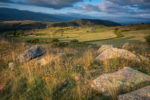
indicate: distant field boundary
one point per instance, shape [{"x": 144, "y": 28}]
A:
[{"x": 102, "y": 39}]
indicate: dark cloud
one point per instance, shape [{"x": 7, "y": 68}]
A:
[
  {"x": 89, "y": 7},
  {"x": 141, "y": 4},
  {"x": 105, "y": 6},
  {"x": 57, "y": 4},
  {"x": 130, "y": 2},
  {"x": 120, "y": 6},
  {"x": 53, "y": 3},
  {"x": 5, "y": 1}
]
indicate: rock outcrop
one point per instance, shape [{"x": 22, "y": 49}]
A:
[
  {"x": 108, "y": 52},
  {"x": 123, "y": 79},
  {"x": 31, "y": 53},
  {"x": 141, "y": 94},
  {"x": 103, "y": 48}
]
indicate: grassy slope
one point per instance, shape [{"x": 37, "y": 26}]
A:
[
  {"x": 68, "y": 77},
  {"x": 131, "y": 34},
  {"x": 100, "y": 34},
  {"x": 69, "y": 33}
]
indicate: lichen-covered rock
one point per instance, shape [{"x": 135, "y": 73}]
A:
[
  {"x": 103, "y": 48},
  {"x": 108, "y": 52},
  {"x": 141, "y": 94},
  {"x": 123, "y": 79},
  {"x": 31, "y": 53}
]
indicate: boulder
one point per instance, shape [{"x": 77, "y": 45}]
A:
[
  {"x": 31, "y": 53},
  {"x": 141, "y": 94},
  {"x": 103, "y": 48},
  {"x": 123, "y": 79},
  {"x": 108, "y": 52}
]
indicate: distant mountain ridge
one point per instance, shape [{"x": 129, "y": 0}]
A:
[
  {"x": 83, "y": 22},
  {"x": 9, "y": 14},
  {"x": 13, "y": 19}
]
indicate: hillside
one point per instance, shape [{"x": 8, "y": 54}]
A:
[
  {"x": 6, "y": 26},
  {"x": 66, "y": 62},
  {"x": 83, "y": 22},
  {"x": 21, "y": 25},
  {"x": 7, "y": 14}
]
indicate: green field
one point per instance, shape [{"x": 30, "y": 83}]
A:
[
  {"x": 69, "y": 33},
  {"x": 92, "y": 34}
]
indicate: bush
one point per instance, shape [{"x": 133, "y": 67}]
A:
[
  {"x": 147, "y": 39},
  {"x": 55, "y": 40},
  {"x": 59, "y": 44},
  {"x": 74, "y": 41},
  {"x": 33, "y": 41}
]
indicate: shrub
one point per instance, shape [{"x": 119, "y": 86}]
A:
[
  {"x": 59, "y": 44},
  {"x": 33, "y": 41},
  {"x": 148, "y": 39},
  {"x": 55, "y": 40},
  {"x": 74, "y": 41}
]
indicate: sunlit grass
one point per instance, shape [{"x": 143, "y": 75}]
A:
[
  {"x": 66, "y": 72},
  {"x": 67, "y": 77},
  {"x": 70, "y": 33}
]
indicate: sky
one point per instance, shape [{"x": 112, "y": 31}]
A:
[{"x": 123, "y": 11}]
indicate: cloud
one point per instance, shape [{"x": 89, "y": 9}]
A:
[
  {"x": 141, "y": 4},
  {"x": 130, "y": 2},
  {"x": 106, "y": 6},
  {"x": 57, "y": 4},
  {"x": 5, "y": 1},
  {"x": 119, "y": 6}
]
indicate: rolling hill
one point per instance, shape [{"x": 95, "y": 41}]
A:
[
  {"x": 6, "y": 26},
  {"x": 83, "y": 22},
  {"x": 9, "y": 14}
]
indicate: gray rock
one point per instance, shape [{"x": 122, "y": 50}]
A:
[
  {"x": 141, "y": 94},
  {"x": 108, "y": 52},
  {"x": 31, "y": 53},
  {"x": 11, "y": 65},
  {"x": 123, "y": 79},
  {"x": 103, "y": 48}
]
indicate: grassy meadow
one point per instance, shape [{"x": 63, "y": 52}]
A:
[
  {"x": 69, "y": 63},
  {"x": 82, "y": 34}
]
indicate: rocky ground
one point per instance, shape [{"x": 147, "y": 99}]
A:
[{"x": 125, "y": 83}]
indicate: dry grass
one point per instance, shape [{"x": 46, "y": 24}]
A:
[
  {"x": 50, "y": 79},
  {"x": 64, "y": 73}
]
